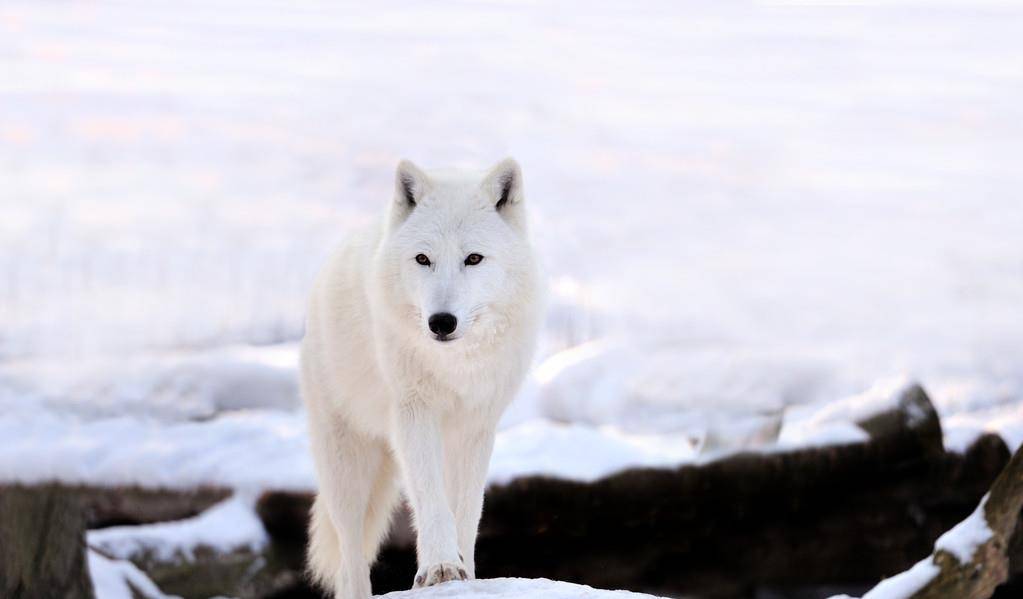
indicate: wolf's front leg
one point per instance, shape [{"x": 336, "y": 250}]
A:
[
  {"x": 468, "y": 448},
  {"x": 421, "y": 453}
]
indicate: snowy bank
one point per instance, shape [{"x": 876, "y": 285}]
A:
[
  {"x": 120, "y": 579},
  {"x": 513, "y": 588},
  {"x": 227, "y": 526},
  {"x": 256, "y": 448}
]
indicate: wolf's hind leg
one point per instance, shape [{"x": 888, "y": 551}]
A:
[
  {"x": 382, "y": 500},
  {"x": 323, "y": 554},
  {"x": 347, "y": 464}
]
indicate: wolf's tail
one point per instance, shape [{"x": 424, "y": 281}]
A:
[{"x": 324, "y": 554}]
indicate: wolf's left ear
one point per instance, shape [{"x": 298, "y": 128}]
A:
[{"x": 504, "y": 184}]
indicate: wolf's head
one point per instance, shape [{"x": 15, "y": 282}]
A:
[{"x": 455, "y": 257}]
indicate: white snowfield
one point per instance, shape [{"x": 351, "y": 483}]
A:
[{"x": 747, "y": 206}]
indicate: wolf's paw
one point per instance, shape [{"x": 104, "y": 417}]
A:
[{"x": 438, "y": 573}]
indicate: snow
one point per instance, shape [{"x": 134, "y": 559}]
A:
[
  {"x": 830, "y": 433},
  {"x": 167, "y": 385},
  {"x": 223, "y": 528},
  {"x": 117, "y": 579},
  {"x": 207, "y": 440},
  {"x": 257, "y": 448},
  {"x": 882, "y": 395},
  {"x": 245, "y": 449},
  {"x": 512, "y": 588},
  {"x": 903, "y": 585},
  {"x": 959, "y": 438},
  {"x": 577, "y": 452},
  {"x": 1002, "y": 418},
  {"x": 964, "y": 539},
  {"x": 746, "y": 206},
  {"x": 834, "y": 421}
]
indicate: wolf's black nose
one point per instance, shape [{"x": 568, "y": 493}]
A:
[{"x": 443, "y": 324}]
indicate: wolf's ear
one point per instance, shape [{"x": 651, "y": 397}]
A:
[
  {"x": 409, "y": 184},
  {"x": 504, "y": 184}
]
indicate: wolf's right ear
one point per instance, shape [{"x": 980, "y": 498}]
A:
[{"x": 410, "y": 183}]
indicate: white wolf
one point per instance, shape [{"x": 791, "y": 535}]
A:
[{"x": 419, "y": 332}]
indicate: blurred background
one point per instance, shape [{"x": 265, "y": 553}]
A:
[{"x": 745, "y": 210}]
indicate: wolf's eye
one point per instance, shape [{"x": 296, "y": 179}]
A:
[
  {"x": 422, "y": 259},
  {"x": 473, "y": 259}
]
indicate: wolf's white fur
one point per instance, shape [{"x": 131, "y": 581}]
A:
[{"x": 388, "y": 401}]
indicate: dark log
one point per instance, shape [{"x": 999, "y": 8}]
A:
[
  {"x": 130, "y": 505},
  {"x": 42, "y": 544},
  {"x": 840, "y": 515},
  {"x": 208, "y": 572},
  {"x": 911, "y": 420}
]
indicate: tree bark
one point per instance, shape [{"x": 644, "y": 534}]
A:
[
  {"x": 42, "y": 544},
  {"x": 978, "y": 578}
]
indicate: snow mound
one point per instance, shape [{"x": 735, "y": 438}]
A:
[
  {"x": 512, "y": 588},
  {"x": 229, "y": 525},
  {"x": 964, "y": 539},
  {"x": 902, "y": 586},
  {"x": 580, "y": 452},
  {"x": 258, "y": 448},
  {"x": 169, "y": 386},
  {"x": 119, "y": 579},
  {"x": 249, "y": 449}
]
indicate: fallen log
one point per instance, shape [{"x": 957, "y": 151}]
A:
[
  {"x": 783, "y": 522},
  {"x": 130, "y": 505},
  {"x": 104, "y": 506}
]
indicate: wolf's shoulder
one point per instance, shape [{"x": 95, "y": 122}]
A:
[{"x": 343, "y": 274}]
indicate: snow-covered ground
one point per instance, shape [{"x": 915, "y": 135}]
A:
[
  {"x": 256, "y": 449},
  {"x": 513, "y": 588}
]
